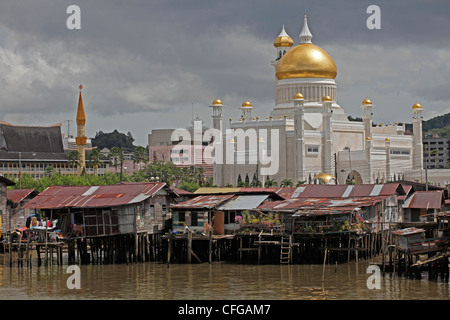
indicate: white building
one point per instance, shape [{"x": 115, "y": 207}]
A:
[{"x": 314, "y": 133}]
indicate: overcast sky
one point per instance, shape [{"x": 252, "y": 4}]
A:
[{"x": 153, "y": 64}]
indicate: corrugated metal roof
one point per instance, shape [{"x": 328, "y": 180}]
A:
[
  {"x": 323, "y": 204},
  {"x": 93, "y": 197},
  {"x": 17, "y": 195},
  {"x": 344, "y": 191},
  {"x": 408, "y": 231},
  {"x": 244, "y": 202},
  {"x": 203, "y": 202},
  {"x": 425, "y": 200}
]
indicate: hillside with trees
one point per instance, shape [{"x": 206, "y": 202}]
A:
[{"x": 113, "y": 139}]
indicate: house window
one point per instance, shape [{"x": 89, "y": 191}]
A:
[
  {"x": 181, "y": 218},
  {"x": 163, "y": 209},
  {"x": 194, "y": 219},
  {"x": 152, "y": 211}
]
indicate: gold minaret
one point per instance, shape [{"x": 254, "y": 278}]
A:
[{"x": 81, "y": 138}]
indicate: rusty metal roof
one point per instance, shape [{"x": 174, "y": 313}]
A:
[
  {"x": 17, "y": 195},
  {"x": 321, "y": 204},
  {"x": 203, "y": 202},
  {"x": 346, "y": 191},
  {"x": 408, "y": 231},
  {"x": 94, "y": 196},
  {"x": 425, "y": 200}
]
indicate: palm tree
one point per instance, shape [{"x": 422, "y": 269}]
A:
[
  {"x": 270, "y": 183},
  {"x": 300, "y": 182},
  {"x": 74, "y": 158},
  {"x": 286, "y": 183},
  {"x": 140, "y": 155},
  {"x": 95, "y": 157},
  {"x": 116, "y": 156}
]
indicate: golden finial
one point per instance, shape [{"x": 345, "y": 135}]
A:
[{"x": 81, "y": 87}]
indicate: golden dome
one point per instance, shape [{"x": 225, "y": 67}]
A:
[
  {"x": 417, "y": 106},
  {"x": 367, "y": 101},
  {"x": 283, "y": 40},
  {"x": 298, "y": 96},
  {"x": 326, "y": 98},
  {"x": 387, "y": 139},
  {"x": 324, "y": 178},
  {"x": 368, "y": 139},
  {"x": 217, "y": 102},
  {"x": 306, "y": 60},
  {"x": 246, "y": 104}
]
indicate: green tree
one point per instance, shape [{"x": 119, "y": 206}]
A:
[
  {"x": 286, "y": 183},
  {"x": 74, "y": 158},
  {"x": 270, "y": 183},
  {"x": 140, "y": 155},
  {"x": 95, "y": 159},
  {"x": 115, "y": 156}
]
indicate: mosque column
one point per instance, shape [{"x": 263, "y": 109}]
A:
[
  {"x": 217, "y": 118},
  {"x": 417, "y": 154},
  {"x": 367, "y": 117},
  {"x": 327, "y": 158},
  {"x": 388, "y": 157},
  {"x": 299, "y": 138},
  {"x": 368, "y": 148}
]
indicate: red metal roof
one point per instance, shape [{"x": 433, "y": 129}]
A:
[
  {"x": 93, "y": 196},
  {"x": 345, "y": 191},
  {"x": 17, "y": 195},
  {"x": 203, "y": 202},
  {"x": 322, "y": 204},
  {"x": 425, "y": 200}
]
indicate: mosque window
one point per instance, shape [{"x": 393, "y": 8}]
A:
[{"x": 312, "y": 149}]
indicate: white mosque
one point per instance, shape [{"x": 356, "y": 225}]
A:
[{"x": 316, "y": 140}]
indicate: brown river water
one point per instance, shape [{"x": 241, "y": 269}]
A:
[{"x": 215, "y": 281}]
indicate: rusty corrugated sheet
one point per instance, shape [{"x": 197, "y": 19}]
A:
[
  {"x": 203, "y": 202},
  {"x": 425, "y": 200},
  {"x": 93, "y": 196},
  {"x": 322, "y": 204},
  {"x": 17, "y": 195}
]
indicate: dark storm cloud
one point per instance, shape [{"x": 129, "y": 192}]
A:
[{"x": 148, "y": 64}]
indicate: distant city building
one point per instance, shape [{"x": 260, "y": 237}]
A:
[
  {"x": 436, "y": 152},
  {"x": 162, "y": 148}
]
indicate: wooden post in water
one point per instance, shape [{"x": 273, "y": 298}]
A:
[
  {"x": 210, "y": 246},
  {"x": 189, "y": 246},
  {"x": 169, "y": 247}
]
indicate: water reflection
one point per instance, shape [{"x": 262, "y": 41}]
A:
[{"x": 216, "y": 281}]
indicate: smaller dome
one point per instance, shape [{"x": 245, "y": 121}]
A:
[
  {"x": 326, "y": 98},
  {"x": 217, "y": 102},
  {"x": 387, "y": 139},
  {"x": 298, "y": 96},
  {"x": 283, "y": 40},
  {"x": 368, "y": 139},
  {"x": 417, "y": 106},
  {"x": 366, "y": 102},
  {"x": 246, "y": 104},
  {"x": 324, "y": 178}
]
